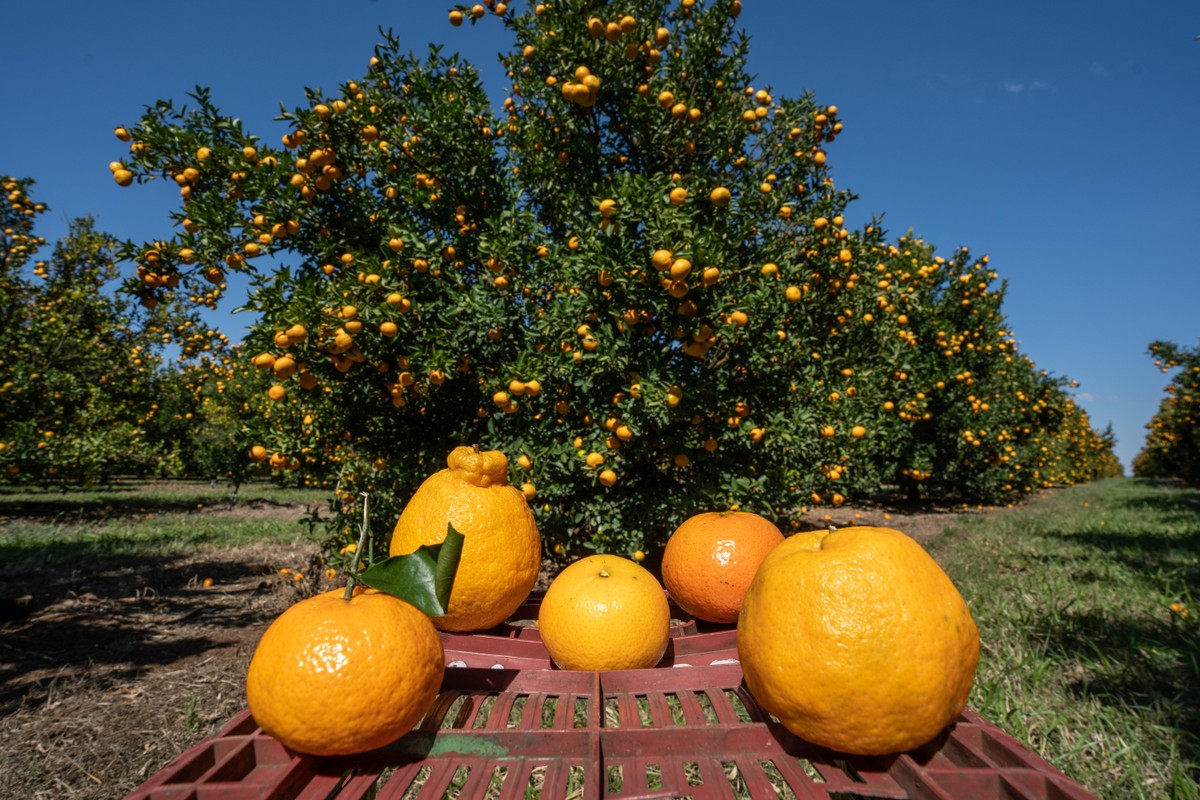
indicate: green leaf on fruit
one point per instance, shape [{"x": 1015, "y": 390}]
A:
[
  {"x": 424, "y": 577},
  {"x": 446, "y": 565}
]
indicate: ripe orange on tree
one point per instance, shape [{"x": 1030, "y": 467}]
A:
[
  {"x": 857, "y": 640},
  {"x": 502, "y": 550},
  {"x": 605, "y": 612},
  {"x": 336, "y": 676},
  {"x": 711, "y": 559}
]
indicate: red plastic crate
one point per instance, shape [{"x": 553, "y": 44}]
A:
[{"x": 507, "y": 724}]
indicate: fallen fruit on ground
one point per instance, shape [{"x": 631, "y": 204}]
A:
[
  {"x": 605, "y": 612},
  {"x": 857, "y": 640},
  {"x": 711, "y": 558},
  {"x": 502, "y": 550},
  {"x": 332, "y": 676}
]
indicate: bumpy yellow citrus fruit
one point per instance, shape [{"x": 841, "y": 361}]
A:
[
  {"x": 857, "y": 640},
  {"x": 332, "y": 676},
  {"x": 605, "y": 612},
  {"x": 502, "y": 551},
  {"x": 711, "y": 558}
]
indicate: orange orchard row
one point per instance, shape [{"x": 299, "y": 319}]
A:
[
  {"x": 1172, "y": 448},
  {"x": 82, "y": 392},
  {"x": 284, "y": 366},
  {"x": 637, "y": 282}
]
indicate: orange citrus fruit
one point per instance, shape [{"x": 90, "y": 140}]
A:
[
  {"x": 502, "y": 551},
  {"x": 332, "y": 676},
  {"x": 711, "y": 558},
  {"x": 605, "y": 612},
  {"x": 857, "y": 640}
]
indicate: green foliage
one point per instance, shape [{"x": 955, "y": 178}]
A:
[
  {"x": 206, "y": 409},
  {"x": 72, "y": 386},
  {"x": 634, "y": 278},
  {"x": 1172, "y": 448},
  {"x": 84, "y": 395}
]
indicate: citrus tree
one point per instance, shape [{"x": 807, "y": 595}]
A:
[
  {"x": 200, "y": 425},
  {"x": 1172, "y": 448},
  {"x": 61, "y": 346},
  {"x": 633, "y": 276},
  {"x": 80, "y": 376},
  {"x": 965, "y": 415}
]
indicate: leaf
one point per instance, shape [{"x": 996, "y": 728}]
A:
[
  {"x": 410, "y": 577},
  {"x": 449, "y": 553},
  {"x": 423, "y": 578}
]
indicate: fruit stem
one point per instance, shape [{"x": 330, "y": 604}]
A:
[{"x": 362, "y": 541}]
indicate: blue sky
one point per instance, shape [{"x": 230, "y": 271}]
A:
[{"x": 1062, "y": 139}]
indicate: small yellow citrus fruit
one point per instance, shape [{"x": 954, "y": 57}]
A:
[{"x": 605, "y": 612}]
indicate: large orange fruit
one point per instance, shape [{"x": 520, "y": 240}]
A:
[
  {"x": 857, "y": 641},
  {"x": 711, "y": 558},
  {"x": 605, "y": 612},
  {"x": 502, "y": 551},
  {"x": 332, "y": 676}
]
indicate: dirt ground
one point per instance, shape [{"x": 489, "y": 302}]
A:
[{"x": 108, "y": 674}]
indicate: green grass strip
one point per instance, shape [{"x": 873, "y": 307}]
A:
[
  {"x": 151, "y": 519},
  {"x": 1088, "y": 603}
]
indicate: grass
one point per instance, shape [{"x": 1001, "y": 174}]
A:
[
  {"x": 1088, "y": 603},
  {"x": 191, "y": 713},
  {"x": 162, "y": 518}
]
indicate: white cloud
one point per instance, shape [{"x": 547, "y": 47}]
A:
[
  {"x": 1098, "y": 70},
  {"x": 1019, "y": 87}
]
